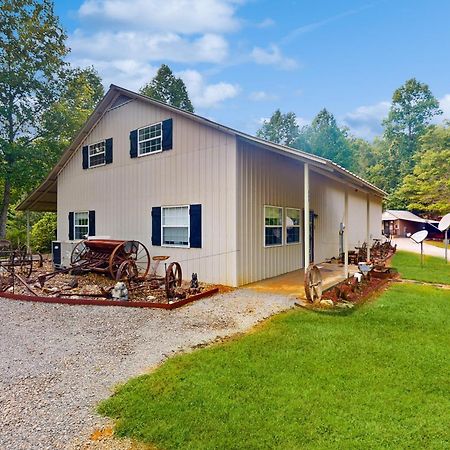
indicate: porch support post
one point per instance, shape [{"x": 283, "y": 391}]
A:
[
  {"x": 346, "y": 234},
  {"x": 28, "y": 231},
  {"x": 306, "y": 215},
  {"x": 368, "y": 227}
]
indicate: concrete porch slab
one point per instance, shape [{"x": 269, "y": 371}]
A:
[{"x": 291, "y": 283}]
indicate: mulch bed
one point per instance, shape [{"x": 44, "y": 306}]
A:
[
  {"x": 93, "y": 288},
  {"x": 352, "y": 291}
]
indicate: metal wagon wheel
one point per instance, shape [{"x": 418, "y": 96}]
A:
[
  {"x": 133, "y": 251},
  {"x": 24, "y": 263},
  {"x": 78, "y": 253},
  {"x": 174, "y": 278},
  {"x": 127, "y": 271},
  {"x": 313, "y": 284}
]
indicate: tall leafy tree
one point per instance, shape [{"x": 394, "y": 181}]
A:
[
  {"x": 82, "y": 91},
  {"x": 413, "y": 107},
  {"x": 324, "y": 138},
  {"x": 427, "y": 188},
  {"x": 32, "y": 51},
  {"x": 280, "y": 128},
  {"x": 169, "y": 89}
]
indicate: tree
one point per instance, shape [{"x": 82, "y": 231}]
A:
[
  {"x": 324, "y": 138},
  {"x": 166, "y": 88},
  {"x": 43, "y": 233},
  {"x": 280, "y": 128},
  {"x": 32, "y": 51},
  {"x": 82, "y": 91},
  {"x": 413, "y": 107},
  {"x": 427, "y": 189}
]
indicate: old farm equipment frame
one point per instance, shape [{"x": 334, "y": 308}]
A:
[
  {"x": 118, "y": 259},
  {"x": 124, "y": 260},
  {"x": 17, "y": 261}
]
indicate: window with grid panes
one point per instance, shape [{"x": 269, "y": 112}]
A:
[
  {"x": 81, "y": 225},
  {"x": 150, "y": 139},
  {"x": 273, "y": 226},
  {"x": 175, "y": 226}
]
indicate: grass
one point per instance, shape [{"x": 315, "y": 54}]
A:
[
  {"x": 435, "y": 270},
  {"x": 376, "y": 377},
  {"x": 439, "y": 244}
]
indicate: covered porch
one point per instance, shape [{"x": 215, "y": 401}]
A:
[{"x": 291, "y": 283}]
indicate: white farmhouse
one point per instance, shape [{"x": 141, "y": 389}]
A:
[{"x": 226, "y": 205}]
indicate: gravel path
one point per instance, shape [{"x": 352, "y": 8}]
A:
[
  {"x": 58, "y": 361},
  {"x": 408, "y": 245}
]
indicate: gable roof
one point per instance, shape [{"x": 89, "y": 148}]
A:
[
  {"x": 44, "y": 198},
  {"x": 394, "y": 214}
]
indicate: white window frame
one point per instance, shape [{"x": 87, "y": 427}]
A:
[
  {"x": 272, "y": 226},
  {"x": 75, "y": 226},
  {"x": 172, "y": 226},
  {"x": 149, "y": 139},
  {"x": 299, "y": 226},
  {"x": 89, "y": 154}
]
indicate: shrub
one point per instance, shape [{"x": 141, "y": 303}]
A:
[{"x": 43, "y": 233}]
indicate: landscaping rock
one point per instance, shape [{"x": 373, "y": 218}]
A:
[{"x": 325, "y": 303}]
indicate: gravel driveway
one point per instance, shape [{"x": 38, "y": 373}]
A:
[
  {"x": 58, "y": 361},
  {"x": 408, "y": 245}
]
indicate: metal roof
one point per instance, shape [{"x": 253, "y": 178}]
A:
[
  {"x": 44, "y": 198},
  {"x": 394, "y": 214}
]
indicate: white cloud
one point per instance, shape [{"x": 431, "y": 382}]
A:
[
  {"x": 366, "y": 121},
  {"x": 266, "y": 23},
  {"x": 444, "y": 103},
  {"x": 302, "y": 122},
  {"x": 143, "y": 46},
  {"x": 205, "y": 95},
  {"x": 127, "y": 73},
  {"x": 179, "y": 16},
  {"x": 260, "y": 96},
  {"x": 272, "y": 56}
]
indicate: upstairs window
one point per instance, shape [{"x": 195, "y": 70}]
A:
[
  {"x": 273, "y": 226},
  {"x": 97, "y": 154},
  {"x": 175, "y": 226},
  {"x": 150, "y": 139},
  {"x": 81, "y": 225},
  {"x": 292, "y": 226}
]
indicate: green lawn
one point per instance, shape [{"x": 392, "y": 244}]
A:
[
  {"x": 435, "y": 270},
  {"x": 375, "y": 377},
  {"x": 436, "y": 243}
]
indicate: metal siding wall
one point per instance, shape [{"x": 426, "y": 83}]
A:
[
  {"x": 201, "y": 168},
  {"x": 259, "y": 184},
  {"x": 265, "y": 178}
]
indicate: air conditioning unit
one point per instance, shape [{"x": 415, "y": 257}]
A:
[
  {"x": 61, "y": 253},
  {"x": 66, "y": 252}
]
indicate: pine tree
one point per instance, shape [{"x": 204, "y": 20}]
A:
[{"x": 166, "y": 88}]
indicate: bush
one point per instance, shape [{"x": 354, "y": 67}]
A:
[{"x": 43, "y": 233}]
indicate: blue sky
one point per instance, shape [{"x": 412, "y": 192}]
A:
[{"x": 242, "y": 59}]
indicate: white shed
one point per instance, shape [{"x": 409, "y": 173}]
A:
[{"x": 226, "y": 205}]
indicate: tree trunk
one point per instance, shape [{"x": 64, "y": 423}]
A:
[{"x": 4, "y": 208}]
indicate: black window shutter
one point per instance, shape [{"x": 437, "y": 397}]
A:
[
  {"x": 196, "y": 226},
  {"x": 133, "y": 144},
  {"x": 167, "y": 134},
  {"x": 156, "y": 226},
  {"x": 109, "y": 151},
  {"x": 71, "y": 224},
  {"x": 91, "y": 223},
  {"x": 85, "y": 157}
]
